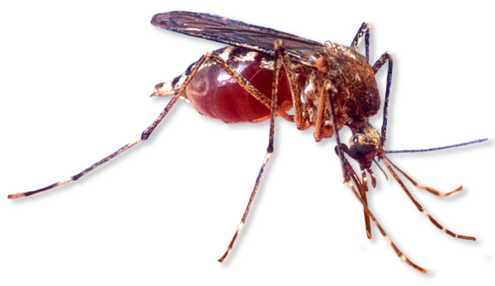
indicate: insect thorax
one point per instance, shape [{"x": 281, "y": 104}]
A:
[{"x": 354, "y": 91}]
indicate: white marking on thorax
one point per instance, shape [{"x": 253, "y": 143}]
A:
[
  {"x": 344, "y": 49},
  {"x": 349, "y": 52}
]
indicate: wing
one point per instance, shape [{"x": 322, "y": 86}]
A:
[{"x": 237, "y": 33}]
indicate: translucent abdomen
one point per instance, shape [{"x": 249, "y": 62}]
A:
[{"x": 215, "y": 94}]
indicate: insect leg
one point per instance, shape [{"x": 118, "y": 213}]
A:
[
  {"x": 144, "y": 136},
  {"x": 420, "y": 208},
  {"x": 381, "y": 61},
  {"x": 301, "y": 122},
  {"x": 269, "y": 150},
  {"x": 326, "y": 97},
  {"x": 326, "y": 92},
  {"x": 365, "y": 199},
  {"x": 363, "y": 188},
  {"x": 382, "y": 231},
  {"x": 320, "y": 117},
  {"x": 431, "y": 190},
  {"x": 363, "y": 31},
  {"x": 385, "y": 174}
]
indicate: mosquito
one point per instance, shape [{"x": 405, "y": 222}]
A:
[{"x": 264, "y": 73}]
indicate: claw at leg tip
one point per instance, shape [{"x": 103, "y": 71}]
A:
[{"x": 15, "y": 196}]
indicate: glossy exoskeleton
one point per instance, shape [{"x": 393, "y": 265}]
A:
[{"x": 264, "y": 73}]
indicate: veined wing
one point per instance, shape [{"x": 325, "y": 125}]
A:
[{"x": 237, "y": 33}]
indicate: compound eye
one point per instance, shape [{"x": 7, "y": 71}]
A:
[{"x": 360, "y": 150}]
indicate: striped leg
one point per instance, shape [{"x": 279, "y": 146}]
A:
[
  {"x": 364, "y": 31},
  {"x": 381, "y": 61},
  {"x": 277, "y": 65},
  {"x": 144, "y": 136},
  {"x": 382, "y": 231},
  {"x": 431, "y": 190},
  {"x": 420, "y": 208},
  {"x": 365, "y": 199},
  {"x": 369, "y": 215},
  {"x": 363, "y": 188}
]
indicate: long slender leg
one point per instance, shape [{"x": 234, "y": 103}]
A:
[
  {"x": 326, "y": 88},
  {"x": 385, "y": 174},
  {"x": 420, "y": 208},
  {"x": 381, "y": 61},
  {"x": 339, "y": 150},
  {"x": 144, "y": 136},
  {"x": 363, "y": 188},
  {"x": 320, "y": 116},
  {"x": 363, "y": 31},
  {"x": 365, "y": 199},
  {"x": 269, "y": 150},
  {"x": 382, "y": 231},
  {"x": 326, "y": 91},
  {"x": 300, "y": 119},
  {"x": 431, "y": 190}
]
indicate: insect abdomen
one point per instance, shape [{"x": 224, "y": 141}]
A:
[{"x": 216, "y": 94}]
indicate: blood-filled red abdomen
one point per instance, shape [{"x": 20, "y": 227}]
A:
[{"x": 216, "y": 94}]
